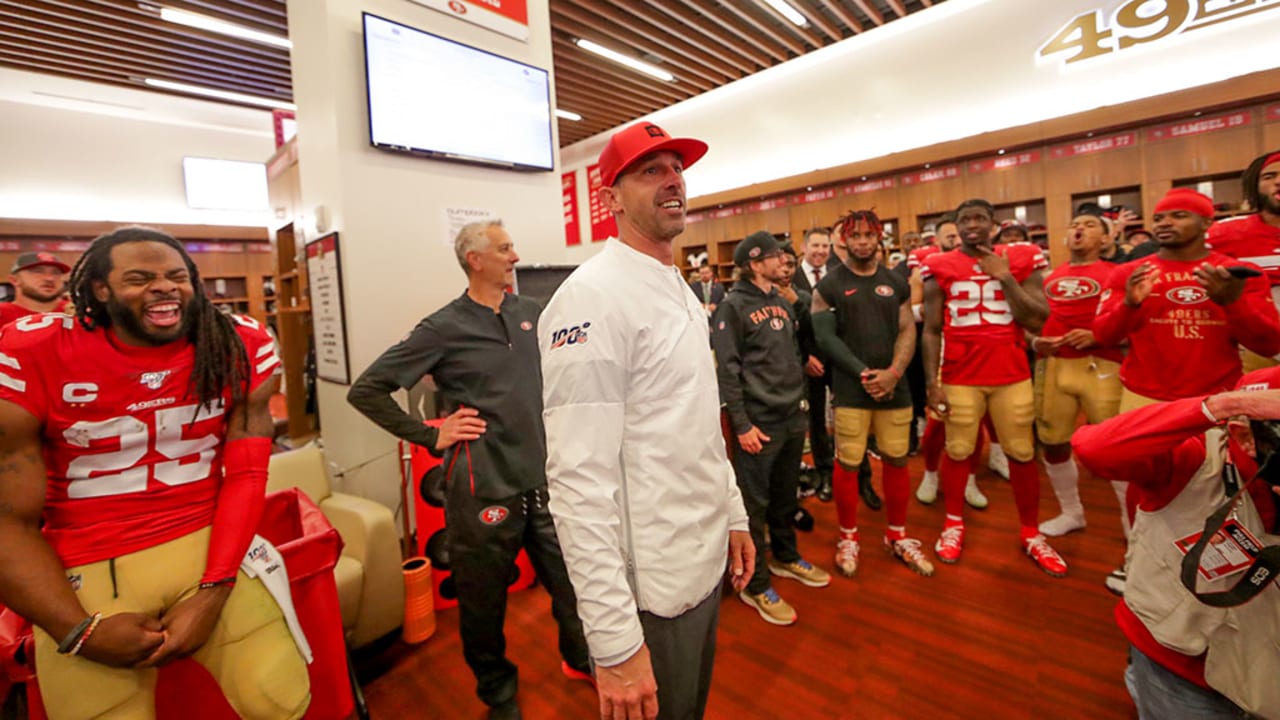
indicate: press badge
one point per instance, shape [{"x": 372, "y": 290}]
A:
[{"x": 1230, "y": 551}]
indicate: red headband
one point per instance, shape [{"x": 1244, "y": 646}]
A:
[
  {"x": 1186, "y": 199},
  {"x": 1271, "y": 159}
]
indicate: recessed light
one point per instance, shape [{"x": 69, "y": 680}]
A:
[
  {"x": 204, "y": 22},
  {"x": 626, "y": 60},
  {"x": 568, "y": 115},
  {"x": 220, "y": 94}
]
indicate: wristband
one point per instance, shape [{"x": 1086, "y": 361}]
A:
[
  {"x": 69, "y": 642},
  {"x": 895, "y": 372},
  {"x": 231, "y": 581},
  {"x": 93, "y": 625},
  {"x": 1204, "y": 408}
]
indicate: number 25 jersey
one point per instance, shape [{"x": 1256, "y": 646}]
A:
[
  {"x": 981, "y": 342},
  {"x": 127, "y": 467}
]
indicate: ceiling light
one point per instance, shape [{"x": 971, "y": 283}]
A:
[
  {"x": 204, "y": 22},
  {"x": 567, "y": 115},
  {"x": 787, "y": 11},
  {"x": 1000, "y": 151},
  {"x": 220, "y": 94},
  {"x": 621, "y": 59}
]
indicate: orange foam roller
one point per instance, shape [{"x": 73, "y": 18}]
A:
[{"x": 419, "y": 603}]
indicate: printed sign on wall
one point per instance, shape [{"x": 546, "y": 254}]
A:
[
  {"x": 569, "y": 199},
  {"x": 509, "y": 17},
  {"x": 603, "y": 226}
]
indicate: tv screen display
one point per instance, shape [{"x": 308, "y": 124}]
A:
[{"x": 439, "y": 98}]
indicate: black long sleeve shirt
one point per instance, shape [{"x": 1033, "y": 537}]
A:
[{"x": 479, "y": 359}]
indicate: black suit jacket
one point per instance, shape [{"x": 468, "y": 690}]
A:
[
  {"x": 801, "y": 280},
  {"x": 717, "y": 292}
]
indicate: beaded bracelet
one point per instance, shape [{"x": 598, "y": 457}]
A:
[
  {"x": 231, "y": 580},
  {"x": 72, "y": 640},
  {"x": 97, "y": 618}
]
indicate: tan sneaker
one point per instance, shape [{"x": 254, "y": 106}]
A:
[
  {"x": 847, "y": 555},
  {"x": 908, "y": 551},
  {"x": 802, "y": 571},
  {"x": 772, "y": 608}
]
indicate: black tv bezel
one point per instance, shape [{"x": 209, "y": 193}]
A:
[{"x": 440, "y": 154}]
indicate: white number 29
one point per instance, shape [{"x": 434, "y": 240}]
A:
[
  {"x": 975, "y": 303},
  {"x": 189, "y": 459}
]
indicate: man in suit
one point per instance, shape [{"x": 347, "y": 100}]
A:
[{"x": 708, "y": 291}]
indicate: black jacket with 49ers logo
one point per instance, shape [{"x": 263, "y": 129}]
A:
[{"x": 757, "y": 358}]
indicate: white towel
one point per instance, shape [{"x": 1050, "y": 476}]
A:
[{"x": 266, "y": 564}]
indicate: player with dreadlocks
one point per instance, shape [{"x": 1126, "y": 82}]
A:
[
  {"x": 862, "y": 320},
  {"x": 1255, "y": 237},
  {"x": 138, "y": 433}
]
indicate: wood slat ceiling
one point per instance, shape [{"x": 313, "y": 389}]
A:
[{"x": 704, "y": 43}]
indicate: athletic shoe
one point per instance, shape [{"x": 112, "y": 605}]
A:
[
  {"x": 825, "y": 491},
  {"x": 508, "y": 710},
  {"x": 1037, "y": 548},
  {"x": 1062, "y": 524},
  {"x": 974, "y": 496},
  {"x": 928, "y": 490},
  {"x": 950, "y": 543},
  {"x": 801, "y": 571},
  {"x": 1115, "y": 582},
  {"x": 572, "y": 674},
  {"x": 802, "y": 520},
  {"x": 773, "y": 609},
  {"x": 908, "y": 551},
  {"x": 847, "y": 555},
  {"x": 998, "y": 462}
]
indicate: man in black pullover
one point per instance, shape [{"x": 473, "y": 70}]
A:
[{"x": 762, "y": 388}]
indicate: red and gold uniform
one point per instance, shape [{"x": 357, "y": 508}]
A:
[
  {"x": 915, "y": 260},
  {"x": 1181, "y": 343},
  {"x": 1251, "y": 239},
  {"x": 1073, "y": 379},
  {"x": 983, "y": 359},
  {"x": 135, "y": 468},
  {"x": 11, "y": 311}
]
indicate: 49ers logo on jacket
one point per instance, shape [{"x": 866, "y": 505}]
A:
[
  {"x": 1187, "y": 295},
  {"x": 884, "y": 291},
  {"x": 494, "y": 514},
  {"x": 1072, "y": 288}
]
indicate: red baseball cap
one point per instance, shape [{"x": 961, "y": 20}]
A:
[
  {"x": 629, "y": 145},
  {"x": 1186, "y": 199},
  {"x": 28, "y": 260}
]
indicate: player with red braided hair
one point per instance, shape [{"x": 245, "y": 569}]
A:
[
  {"x": 138, "y": 434},
  {"x": 862, "y": 320}
]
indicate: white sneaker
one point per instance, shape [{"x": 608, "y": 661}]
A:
[
  {"x": 1062, "y": 524},
  {"x": 974, "y": 496},
  {"x": 928, "y": 490},
  {"x": 997, "y": 461},
  {"x": 1115, "y": 582}
]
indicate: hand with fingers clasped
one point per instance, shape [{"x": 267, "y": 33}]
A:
[
  {"x": 628, "y": 690},
  {"x": 124, "y": 640}
]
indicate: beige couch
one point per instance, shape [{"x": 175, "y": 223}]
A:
[{"x": 370, "y": 584}]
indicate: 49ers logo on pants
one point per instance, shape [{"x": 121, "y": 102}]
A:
[{"x": 494, "y": 514}]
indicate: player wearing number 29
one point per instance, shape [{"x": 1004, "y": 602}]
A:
[
  {"x": 978, "y": 301},
  {"x": 139, "y": 432}
]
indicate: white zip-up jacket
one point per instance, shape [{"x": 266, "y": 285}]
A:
[{"x": 642, "y": 491}]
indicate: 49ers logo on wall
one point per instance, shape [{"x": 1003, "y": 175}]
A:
[
  {"x": 493, "y": 515},
  {"x": 1072, "y": 288},
  {"x": 1187, "y": 295}
]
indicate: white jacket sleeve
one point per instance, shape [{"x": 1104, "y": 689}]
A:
[{"x": 584, "y": 370}]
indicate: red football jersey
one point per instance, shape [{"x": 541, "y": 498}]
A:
[
  {"x": 1073, "y": 292},
  {"x": 128, "y": 469},
  {"x": 1250, "y": 239},
  {"x": 915, "y": 260},
  {"x": 1181, "y": 343},
  {"x": 981, "y": 342},
  {"x": 10, "y": 311}
]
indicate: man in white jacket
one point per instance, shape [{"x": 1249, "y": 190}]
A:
[{"x": 644, "y": 498}]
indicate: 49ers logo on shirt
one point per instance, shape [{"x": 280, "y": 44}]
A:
[
  {"x": 1187, "y": 295},
  {"x": 884, "y": 291},
  {"x": 1072, "y": 288},
  {"x": 777, "y": 324},
  {"x": 154, "y": 380},
  {"x": 494, "y": 514}
]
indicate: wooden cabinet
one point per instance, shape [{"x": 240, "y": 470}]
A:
[
  {"x": 1225, "y": 151},
  {"x": 1094, "y": 172},
  {"x": 1007, "y": 185},
  {"x": 930, "y": 199}
]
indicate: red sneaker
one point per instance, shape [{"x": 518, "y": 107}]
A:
[
  {"x": 1037, "y": 548},
  {"x": 950, "y": 543},
  {"x": 576, "y": 674}
]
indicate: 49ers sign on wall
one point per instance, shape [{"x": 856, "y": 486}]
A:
[{"x": 509, "y": 17}]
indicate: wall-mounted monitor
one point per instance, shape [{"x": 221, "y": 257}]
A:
[{"x": 441, "y": 99}]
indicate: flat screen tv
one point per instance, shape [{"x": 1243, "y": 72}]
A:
[{"x": 438, "y": 98}]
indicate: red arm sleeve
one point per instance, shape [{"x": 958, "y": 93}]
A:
[
  {"x": 1115, "y": 319},
  {"x": 240, "y": 505},
  {"x": 1153, "y": 447},
  {"x": 1253, "y": 319}
]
